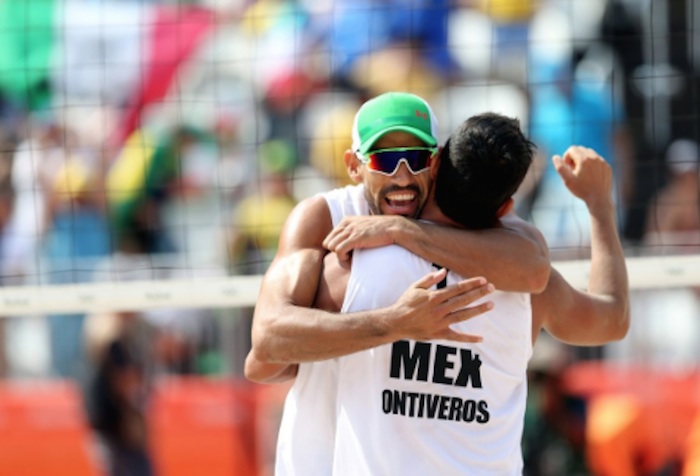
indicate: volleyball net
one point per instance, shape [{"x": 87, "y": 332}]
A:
[{"x": 645, "y": 273}]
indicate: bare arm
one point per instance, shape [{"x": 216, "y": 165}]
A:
[
  {"x": 513, "y": 256},
  {"x": 287, "y": 330},
  {"x": 601, "y": 314},
  {"x": 267, "y": 372}
]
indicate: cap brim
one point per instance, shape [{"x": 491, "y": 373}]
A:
[{"x": 427, "y": 138}]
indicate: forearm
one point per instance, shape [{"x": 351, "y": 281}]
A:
[
  {"x": 263, "y": 372},
  {"x": 506, "y": 257},
  {"x": 286, "y": 333},
  {"x": 576, "y": 317},
  {"x": 299, "y": 334},
  {"x": 608, "y": 274}
]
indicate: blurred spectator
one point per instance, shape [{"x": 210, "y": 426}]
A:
[
  {"x": 140, "y": 184},
  {"x": 235, "y": 164},
  {"x": 117, "y": 392},
  {"x": 489, "y": 38},
  {"x": 394, "y": 45},
  {"x": 184, "y": 341},
  {"x": 76, "y": 238},
  {"x": 656, "y": 46},
  {"x": 674, "y": 216},
  {"x": 674, "y": 227},
  {"x": 285, "y": 98},
  {"x": 196, "y": 200},
  {"x": 356, "y": 29},
  {"x": 572, "y": 102},
  {"x": 553, "y": 435},
  {"x": 37, "y": 159},
  {"x": 327, "y": 124},
  {"x": 259, "y": 217},
  {"x": 256, "y": 226}
]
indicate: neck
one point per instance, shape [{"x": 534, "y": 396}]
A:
[{"x": 432, "y": 213}]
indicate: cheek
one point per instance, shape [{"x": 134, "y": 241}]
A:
[
  {"x": 373, "y": 189},
  {"x": 424, "y": 183},
  {"x": 373, "y": 184}
]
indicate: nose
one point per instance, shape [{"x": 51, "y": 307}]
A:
[{"x": 403, "y": 176}]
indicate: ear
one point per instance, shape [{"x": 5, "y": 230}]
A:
[
  {"x": 505, "y": 208},
  {"x": 352, "y": 164}
]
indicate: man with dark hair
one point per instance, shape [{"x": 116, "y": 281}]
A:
[
  {"x": 483, "y": 163},
  {"x": 472, "y": 395}
]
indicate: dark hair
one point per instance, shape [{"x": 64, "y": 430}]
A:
[{"x": 481, "y": 166}]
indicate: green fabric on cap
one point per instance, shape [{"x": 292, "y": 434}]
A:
[{"x": 393, "y": 112}]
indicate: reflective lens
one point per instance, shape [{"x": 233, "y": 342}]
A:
[{"x": 387, "y": 161}]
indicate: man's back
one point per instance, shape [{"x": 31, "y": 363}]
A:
[{"x": 430, "y": 407}]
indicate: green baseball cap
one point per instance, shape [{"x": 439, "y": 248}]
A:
[{"x": 395, "y": 111}]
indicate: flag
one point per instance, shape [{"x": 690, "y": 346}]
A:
[{"x": 26, "y": 55}]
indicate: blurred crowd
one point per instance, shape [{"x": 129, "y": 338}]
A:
[{"x": 157, "y": 139}]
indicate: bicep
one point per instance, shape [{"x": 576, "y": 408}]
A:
[{"x": 293, "y": 275}]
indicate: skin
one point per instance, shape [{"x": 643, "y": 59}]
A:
[
  {"x": 594, "y": 317},
  {"x": 286, "y": 327}
]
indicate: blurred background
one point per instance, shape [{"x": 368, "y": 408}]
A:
[{"x": 166, "y": 142}]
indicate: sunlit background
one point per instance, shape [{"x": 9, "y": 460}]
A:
[{"x": 163, "y": 144}]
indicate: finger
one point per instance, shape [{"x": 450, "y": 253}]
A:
[
  {"x": 558, "y": 162},
  {"x": 344, "y": 250},
  {"x": 466, "y": 313},
  {"x": 564, "y": 170},
  {"x": 573, "y": 156},
  {"x": 468, "y": 290},
  {"x": 330, "y": 240},
  {"x": 430, "y": 279},
  {"x": 462, "y": 337},
  {"x": 335, "y": 237}
]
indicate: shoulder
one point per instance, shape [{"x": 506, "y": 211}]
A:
[
  {"x": 307, "y": 225},
  {"x": 514, "y": 222}
]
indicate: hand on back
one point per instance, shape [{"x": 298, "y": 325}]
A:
[{"x": 425, "y": 314}]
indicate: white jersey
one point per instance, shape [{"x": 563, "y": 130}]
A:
[
  {"x": 437, "y": 407},
  {"x": 305, "y": 439}
]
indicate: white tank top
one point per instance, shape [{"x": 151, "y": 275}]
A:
[
  {"x": 437, "y": 407},
  {"x": 307, "y": 429}
]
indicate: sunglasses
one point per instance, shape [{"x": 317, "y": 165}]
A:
[{"x": 387, "y": 161}]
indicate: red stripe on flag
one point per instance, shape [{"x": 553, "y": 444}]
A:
[{"x": 174, "y": 37}]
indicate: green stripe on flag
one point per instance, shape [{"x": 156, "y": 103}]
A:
[{"x": 27, "y": 39}]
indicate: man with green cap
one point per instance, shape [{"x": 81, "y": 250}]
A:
[{"x": 394, "y": 143}]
